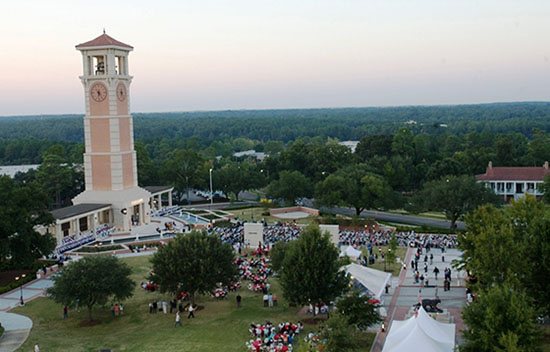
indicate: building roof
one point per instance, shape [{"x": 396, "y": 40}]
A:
[
  {"x": 157, "y": 189},
  {"x": 514, "y": 173},
  {"x": 103, "y": 40},
  {"x": 73, "y": 210}
]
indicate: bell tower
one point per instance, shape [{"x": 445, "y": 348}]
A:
[{"x": 110, "y": 159}]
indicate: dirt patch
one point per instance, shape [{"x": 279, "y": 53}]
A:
[
  {"x": 8, "y": 276},
  {"x": 86, "y": 323}
]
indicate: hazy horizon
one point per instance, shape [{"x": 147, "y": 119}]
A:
[{"x": 246, "y": 55}]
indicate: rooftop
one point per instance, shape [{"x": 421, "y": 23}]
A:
[
  {"x": 157, "y": 189},
  {"x": 102, "y": 41},
  {"x": 514, "y": 173},
  {"x": 73, "y": 210}
]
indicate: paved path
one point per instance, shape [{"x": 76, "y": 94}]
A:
[
  {"x": 17, "y": 328},
  {"x": 406, "y": 293},
  {"x": 400, "y": 218}
]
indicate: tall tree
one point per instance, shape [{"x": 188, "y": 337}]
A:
[
  {"x": 92, "y": 281},
  {"x": 311, "y": 269},
  {"x": 355, "y": 187},
  {"x": 23, "y": 208},
  {"x": 290, "y": 186},
  {"x": 358, "y": 310},
  {"x": 500, "y": 315},
  {"x": 194, "y": 263},
  {"x": 55, "y": 175},
  {"x": 186, "y": 170},
  {"x": 510, "y": 244},
  {"x": 455, "y": 196}
]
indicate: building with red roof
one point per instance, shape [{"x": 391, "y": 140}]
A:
[{"x": 515, "y": 181}]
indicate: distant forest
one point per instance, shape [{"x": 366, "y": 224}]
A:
[{"x": 23, "y": 139}]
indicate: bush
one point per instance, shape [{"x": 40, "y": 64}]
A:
[{"x": 16, "y": 284}]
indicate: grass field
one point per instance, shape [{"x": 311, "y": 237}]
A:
[
  {"x": 219, "y": 327},
  {"x": 400, "y": 252}
]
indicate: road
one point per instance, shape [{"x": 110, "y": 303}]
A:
[{"x": 402, "y": 219}]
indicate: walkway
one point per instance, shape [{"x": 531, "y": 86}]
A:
[{"x": 406, "y": 293}]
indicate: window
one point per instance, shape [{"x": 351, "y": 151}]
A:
[{"x": 83, "y": 224}]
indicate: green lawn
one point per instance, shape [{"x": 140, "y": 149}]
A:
[
  {"x": 401, "y": 252},
  {"x": 219, "y": 327},
  {"x": 255, "y": 214}
]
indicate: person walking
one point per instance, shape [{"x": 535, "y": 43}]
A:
[
  {"x": 65, "y": 312},
  {"x": 191, "y": 310},
  {"x": 36, "y": 348},
  {"x": 436, "y": 271},
  {"x": 239, "y": 298},
  {"x": 270, "y": 300},
  {"x": 178, "y": 320}
]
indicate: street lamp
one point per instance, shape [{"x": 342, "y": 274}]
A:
[
  {"x": 17, "y": 279},
  {"x": 211, "y": 191}
]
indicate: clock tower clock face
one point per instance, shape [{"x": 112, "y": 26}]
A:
[
  {"x": 98, "y": 92},
  {"x": 121, "y": 92}
]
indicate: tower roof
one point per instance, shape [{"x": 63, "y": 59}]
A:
[{"x": 103, "y": 41}]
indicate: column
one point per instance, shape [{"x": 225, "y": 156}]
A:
[
  {"x": 58, "y": 233},
  {"x": 159, "y": 201},
  {"x": 94, "y": 223},
  {"x": 169, "y": 198}
]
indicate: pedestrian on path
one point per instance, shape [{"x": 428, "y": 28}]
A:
[
  {"x": 178, "y": 320},
  {"x": 436, "y": 271}
]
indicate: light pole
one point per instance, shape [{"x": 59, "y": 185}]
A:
[
  {"x": 211, "y": 191},
  {"x": 17, "y": 279}
]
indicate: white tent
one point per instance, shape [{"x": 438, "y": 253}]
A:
[
  {"x": 373, "y": 280},
  {"x": 351, "y": 252},
  {"x": 421, "y": 331}
]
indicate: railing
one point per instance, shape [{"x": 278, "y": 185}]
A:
[{"x": 74, "y": 241}]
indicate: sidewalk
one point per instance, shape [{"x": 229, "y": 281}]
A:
[{"x": 406, "y": 293}]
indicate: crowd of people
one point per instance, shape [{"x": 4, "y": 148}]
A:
[
  {"x": 284, "y": 231},
  {"x": 273, "y": 338}
]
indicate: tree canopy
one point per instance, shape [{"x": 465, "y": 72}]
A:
[
  {"x": 91, "y": 281},
  {"x": 311, "y": 269},
  {"x": 195, "y": 262},
  {"x": 22, "y": 208},
  {"x": 455, "y": 196}
]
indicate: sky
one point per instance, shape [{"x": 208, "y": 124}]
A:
[{"x": 262, "y": 54}]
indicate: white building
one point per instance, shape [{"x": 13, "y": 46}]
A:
[{"x": 513, "y": 182}]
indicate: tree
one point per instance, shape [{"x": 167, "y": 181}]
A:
[
  {"x": 392, "y": 246},
  {"x": 546, "y": 189},
  {"x": 146, "y": 171},
  {"x": 501, "y": 315},
  {"x": 358, "y": 310},
  {"x": 338, "y": 334},
  {"x": 290, "y": 186},
  {"x": 23, "y": 208},
  {"x": 194, "y": 263},
  {"x": 237, "y": 177},
  {"x": 311, "y": 269},
  {"x": 455, "y": 196},
  {"x": 278, "y": 253},
  {"x": 510, "y": 244},
  {"x": 355, "y": 187},
  {"x": 55, "y": 175},
  {"x": 185, "y": 170},
  {"x": 93, "y": 280}
]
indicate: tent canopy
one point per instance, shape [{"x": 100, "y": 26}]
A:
[
  {"x": 373, "y": 280},
  {"x": 351, "y": 252},
  {"x": 423, "y": 332}
]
